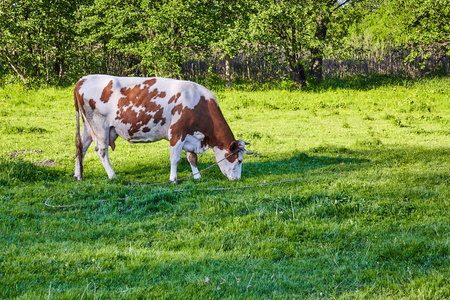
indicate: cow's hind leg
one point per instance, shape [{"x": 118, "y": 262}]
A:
[
  {"x": 192, "y": 158},
  {"x": 102, "y": 152},
  {"x": 101, "y": 147},
  {"x": 85, "y": 141}
]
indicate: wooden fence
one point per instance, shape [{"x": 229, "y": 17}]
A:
[{"x": 262, "y": 68}]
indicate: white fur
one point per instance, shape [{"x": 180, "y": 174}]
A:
[{"x": 231, "y": 170}]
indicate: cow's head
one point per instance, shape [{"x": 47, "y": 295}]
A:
[{"x": 230, "y": 159}]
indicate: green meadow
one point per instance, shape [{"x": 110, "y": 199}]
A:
[{"x": 346, "y": 197}]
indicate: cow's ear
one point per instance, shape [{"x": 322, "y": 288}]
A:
[{"x": 234, "y": 146}]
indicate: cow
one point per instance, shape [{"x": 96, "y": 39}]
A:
[{"x": 142, "y": 110}]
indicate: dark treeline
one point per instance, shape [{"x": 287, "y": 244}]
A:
[{"x": 57, "y": 41}]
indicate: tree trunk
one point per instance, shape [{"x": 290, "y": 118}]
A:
[
  {"x": 227, "y": 71},
  {"x": 47, "y": 77},
  {"x": 316, "y": 69},
  {"x": 16, "y": 70},
  {"x": 60, "y": 73},
  {"x": 298, "y": 73}
]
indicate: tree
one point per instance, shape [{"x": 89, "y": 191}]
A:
[
  {"x": 304, "y": 29},
  {"x": 37, "y": 38},
  {"x": 427, "y": 28},
  {"x": 15, "y": 37},
  {"x": 160, "y": 35},
  {"x": 419, "y": 28},
  {"x": 229, "y": 34}
]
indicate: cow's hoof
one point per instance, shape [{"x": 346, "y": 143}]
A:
[
  {"x": 174, "y": 181},
  {"x": 77, "y": 178}
]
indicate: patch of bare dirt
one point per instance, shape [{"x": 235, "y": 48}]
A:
[
  {"x": 17, "y": 153},
  {"x": 46, "y": 163}
]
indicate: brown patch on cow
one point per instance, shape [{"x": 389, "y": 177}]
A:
[
  {"x": 107, "y": 92},
  {"x": 145, "y": 129},
  {"x": 207, "y": 118},
  {"x": 174, "y": 98},
  {"x": 150, "y": 82},
  {"x": 192, "y": 158},
  {"x": 137, "y": 104},
  {"x": 92, "y": 104},
  {"x": 177, "y": 109},
  {"x": 159, "y": 118}
]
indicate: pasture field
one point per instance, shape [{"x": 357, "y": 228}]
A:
[{"x": 365, "y": 214}]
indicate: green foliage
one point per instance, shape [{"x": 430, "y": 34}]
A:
[
  {"x": 428, "y": 26},
  {"x": 420, "y": 27},
  {"x": 161, "y": 35},
  {"x": 365, "y": 219},
  {"x": 305, "y": 31},
  {"x": 55, "y": 42},
  {"x": 37, "y": 40}
]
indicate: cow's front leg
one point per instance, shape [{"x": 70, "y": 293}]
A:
[
  {"x": 192, "y": 158},
  {"x": 175, "y": 153}
]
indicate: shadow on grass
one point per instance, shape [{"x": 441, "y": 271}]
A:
[
  {"x": 348, "y": 160},
  {"x": 299, "y": 163},
  {"x": 284, "y": 269},
  {"x": 17, "y": 170},
  {"x": 362, "y": 82},
  {"x": 356, "y": 82}
]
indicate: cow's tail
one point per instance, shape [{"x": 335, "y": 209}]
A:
[{"x": 78, "y": 143}]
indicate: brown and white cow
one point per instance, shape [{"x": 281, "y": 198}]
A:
[{"x": 142, "y": 110}]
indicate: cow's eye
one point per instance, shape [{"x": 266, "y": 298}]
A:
[{"x": 240, "y": 161}]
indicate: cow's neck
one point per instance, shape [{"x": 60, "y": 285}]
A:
[{"x": 222, "y": 135}]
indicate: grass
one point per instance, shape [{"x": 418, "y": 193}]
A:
[{"x": 368, "y": 217}]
